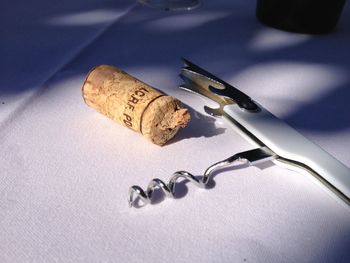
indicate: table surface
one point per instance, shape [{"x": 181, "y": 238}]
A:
[{"x": 65, "y": 170}]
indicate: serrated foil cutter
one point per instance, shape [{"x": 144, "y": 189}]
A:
[{"x": 275, "y": 140}]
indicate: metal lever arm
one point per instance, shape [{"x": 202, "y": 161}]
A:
[{"x": 226, "y": 90}]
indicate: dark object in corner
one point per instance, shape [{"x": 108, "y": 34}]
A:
[{"x": 303, "y": 16}]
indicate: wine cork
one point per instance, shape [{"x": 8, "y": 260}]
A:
[{"x": 134, "y": 104}]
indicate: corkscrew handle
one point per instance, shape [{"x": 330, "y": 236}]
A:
[{"x": 292, "y": 146}]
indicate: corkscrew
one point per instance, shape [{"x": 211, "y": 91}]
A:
[
  {"x": 276, "y": 140},
  {"x": 250, "y": 157}
]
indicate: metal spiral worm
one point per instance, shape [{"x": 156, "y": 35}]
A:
[{"x": 248, "y": 157}]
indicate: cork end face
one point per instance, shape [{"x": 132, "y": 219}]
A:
[
  {"x": 181, "y": 118},
  {"x": 163, "y": 119}
]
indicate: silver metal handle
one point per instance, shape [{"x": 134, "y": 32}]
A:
[{"x": 291, "y": 145}]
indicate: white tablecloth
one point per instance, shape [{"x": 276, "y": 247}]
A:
[{"x": 65, "y": 170}]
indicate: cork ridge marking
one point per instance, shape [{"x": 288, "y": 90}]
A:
[{"x": 161, "y": 95}]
